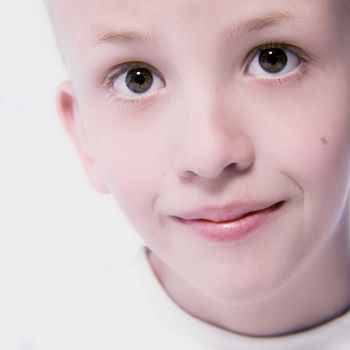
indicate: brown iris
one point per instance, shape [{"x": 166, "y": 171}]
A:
[
  {"x": 273, "y": 60},
  {"x": 139, "y": 80}
]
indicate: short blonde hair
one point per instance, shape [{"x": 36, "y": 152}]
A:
[{"x": 53, "y": 14}]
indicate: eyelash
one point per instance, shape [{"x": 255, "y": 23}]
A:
[
  {"x": 305, "y": 59},
  {"x": 125, "y": 67}
]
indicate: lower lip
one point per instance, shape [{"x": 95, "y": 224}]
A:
[{"x": 231, "y": 230}]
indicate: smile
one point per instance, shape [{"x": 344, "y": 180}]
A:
[{"x": 234, "y": 229}]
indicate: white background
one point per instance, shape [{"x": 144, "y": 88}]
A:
[{"x": 55, "y": 230}]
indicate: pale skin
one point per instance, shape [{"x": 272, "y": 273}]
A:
[{"x": 214, "y": 129}]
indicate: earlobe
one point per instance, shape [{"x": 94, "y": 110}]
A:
[{"x": 69, "y": 115}]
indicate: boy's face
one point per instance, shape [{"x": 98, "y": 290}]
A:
[{"x": 209, "y": 117}]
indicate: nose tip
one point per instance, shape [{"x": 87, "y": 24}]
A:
[
  {"x": 209, "y": 156},
  {"x": 214, "y": 136}
]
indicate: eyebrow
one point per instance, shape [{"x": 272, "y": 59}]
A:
[
  {"x": 126, "y": 37},
  {"x": 256, "y": 24},
  {"x": 231, "y": 33}
]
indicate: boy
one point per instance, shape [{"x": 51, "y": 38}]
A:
[{"x": 222, "y": 130}]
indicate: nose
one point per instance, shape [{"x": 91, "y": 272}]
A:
[{"x": 211, "y": 141}]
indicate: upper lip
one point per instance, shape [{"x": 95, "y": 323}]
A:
[{"x": 229, "y": 212}]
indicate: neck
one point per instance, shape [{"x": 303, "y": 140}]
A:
[{"x": 318, "y": 293}]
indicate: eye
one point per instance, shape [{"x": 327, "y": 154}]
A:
[
  {"x": 135, "y": 79},
  {"x": 273, "y": 61}
]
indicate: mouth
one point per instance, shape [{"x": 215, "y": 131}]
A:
[
  {"x": 229, "y": 224},
  {"x": 229, "y": 213},
  {"x": 268, "y": 209}
]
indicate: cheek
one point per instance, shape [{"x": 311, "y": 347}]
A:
[
  {"x": 320, "y": 146},
  {"x": 131, "y": 161},
  {"x": 315, "y": 155},
  {"x": 310, "y": 127},
  {"x": 306, "y": 139}
]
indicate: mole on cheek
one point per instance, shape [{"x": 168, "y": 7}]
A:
[{"x": 324, "y": 140}]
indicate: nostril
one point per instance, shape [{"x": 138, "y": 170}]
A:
[{"x": 231, "y": 166}]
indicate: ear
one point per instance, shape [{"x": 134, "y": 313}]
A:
[{"x": 72, "y": 122}]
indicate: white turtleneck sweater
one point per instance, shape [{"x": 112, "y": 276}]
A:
[{"x": 134, "y": 312}]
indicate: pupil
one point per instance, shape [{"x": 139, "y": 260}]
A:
[
  {"x": 139, "y": 80},
  {"x": 273, "y": 60}
]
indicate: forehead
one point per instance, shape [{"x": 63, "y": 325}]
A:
[{"x": 82, "y": 22}]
